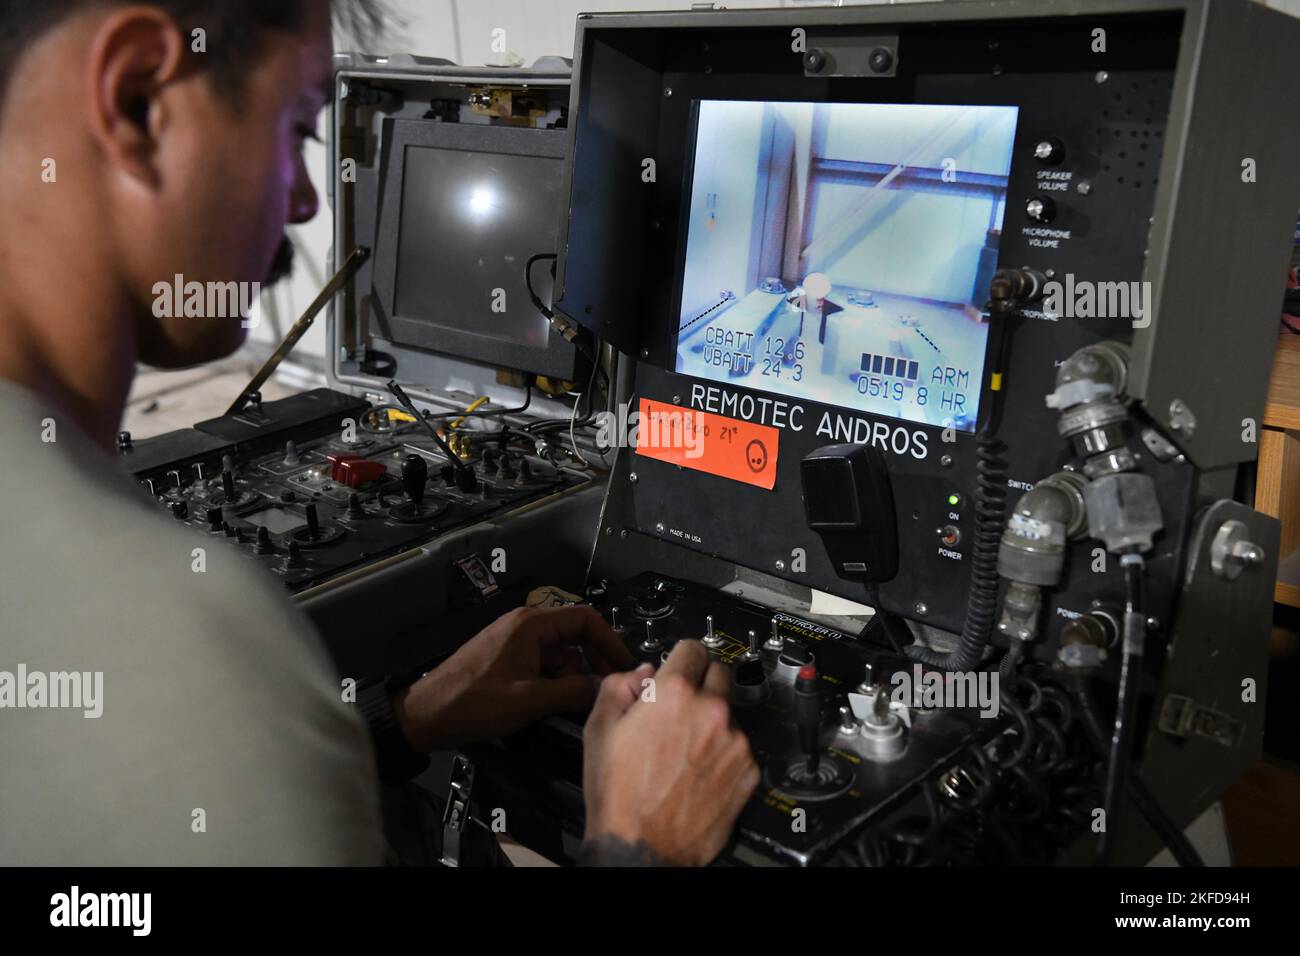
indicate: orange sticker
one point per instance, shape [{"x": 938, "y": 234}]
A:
[{"x": 726, "y": 447}]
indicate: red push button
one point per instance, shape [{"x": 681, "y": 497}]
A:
[{"x": 355, "y": 471}]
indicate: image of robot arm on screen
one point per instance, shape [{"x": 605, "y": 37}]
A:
[{"x": 842, "y": 252}]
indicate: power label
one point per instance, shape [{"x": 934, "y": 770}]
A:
[{"x": 714, "y": 444}]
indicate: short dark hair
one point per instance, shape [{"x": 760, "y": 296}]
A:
[{"x": 234, "y": 28}]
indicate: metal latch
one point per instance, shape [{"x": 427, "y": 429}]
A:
[
  {"x": 456, "y": 815},
  {"x": 1184, "y": 717}
]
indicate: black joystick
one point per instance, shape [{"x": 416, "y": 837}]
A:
[
  {"x": 215, "y": 519},
  {"x": 313, "y": 523},
  {"x": 415, "y": 475},
  {"x": 228, "y": 484},
  {"x": 808, "y": 716},
  {"x": 294, "y": 558},
  {"x": 466, "y": 480},
  {"x": 354, "y": 506},
  {"x": 263, "y": 545},
  {"x": 811, "y": 775},
  {"x": 525, "y": 472}
]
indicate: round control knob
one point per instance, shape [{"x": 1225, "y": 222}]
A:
[
  {"x": 263, "y": 545},
  {"x": 880, "y": 59},
  {"x": 950, "y": 536},
  {"x": 1049, "y": 151},
  {"x": 216, "y": 519},
  {"x": 180, "y": 510},
  {"x": 1041, "y": 209}
]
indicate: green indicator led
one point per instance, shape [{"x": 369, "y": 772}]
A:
[{"x": 954, "y": 500}]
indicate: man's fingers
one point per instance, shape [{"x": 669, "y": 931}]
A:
[
  {"x": 561, "y": 662},
  {"x": 718, "y": 679},
  {"x": 618, "y": 692},
  {"x": 690, "y": 659},
  {"x": 582, "y": 625},
  {"x": 558, "y": 695}
]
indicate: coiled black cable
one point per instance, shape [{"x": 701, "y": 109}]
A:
[
  {"x": 982, "y": 598},
  {"x": 990, "y": 517}
]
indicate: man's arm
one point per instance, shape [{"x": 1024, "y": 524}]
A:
[
  {"x": 665, "y": 774},
  {"x": 526, "y": 665}
]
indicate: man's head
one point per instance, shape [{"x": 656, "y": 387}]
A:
[{"x": 149, "y": 140}]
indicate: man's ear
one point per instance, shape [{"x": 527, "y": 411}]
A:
[{"x": 135, "y": 53}]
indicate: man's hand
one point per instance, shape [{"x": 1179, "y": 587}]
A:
[
  {"x": 667, "y": 776},
  {"x": 524, "y": 666}
]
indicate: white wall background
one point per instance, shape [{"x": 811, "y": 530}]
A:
[{"x": 461, "y": 30}]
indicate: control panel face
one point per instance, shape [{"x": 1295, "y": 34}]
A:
[
  {"x": 827, "y": 247},
  {"x": 311, "y": 498},
  {"x": 842, "y": 252},
  {"x": 829, "y": 759}
]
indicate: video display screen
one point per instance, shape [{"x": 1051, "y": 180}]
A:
[
  {"x": 842, "y": 252},
  {"x": 470, "y": 220}
]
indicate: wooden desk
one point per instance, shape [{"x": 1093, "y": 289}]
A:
[{"x": 1277, "y": 487}]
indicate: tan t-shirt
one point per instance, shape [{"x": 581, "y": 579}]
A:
[{"x": 222, "y": 736}]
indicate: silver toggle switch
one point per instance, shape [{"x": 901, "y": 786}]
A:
[
  {"x": 775, "y": 642},
  {"x": 711, "y": 639},
  {"x": 651, "y": 642}
]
